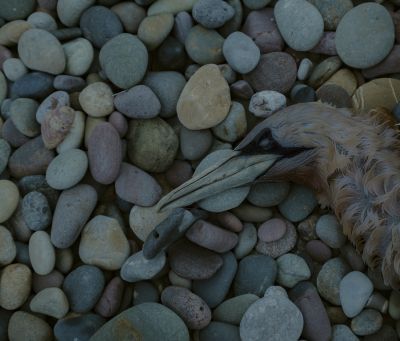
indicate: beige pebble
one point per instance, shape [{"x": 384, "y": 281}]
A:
[
  {"x": 344, "y": 78},
  {"x": 41, "y": 253},
  {"x": 12, "y": 31},
  {"x": 8, "y": 249},
  {"x": 51, "y": 302},
  {"x": 97, "y": 99},
  {"x": 9, "y": 197}
]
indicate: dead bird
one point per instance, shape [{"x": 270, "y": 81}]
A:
[{"x": 351, "y": 161}]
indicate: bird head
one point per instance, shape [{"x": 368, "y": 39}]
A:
[{"x": 298, "y": 143}]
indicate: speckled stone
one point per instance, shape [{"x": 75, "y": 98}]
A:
[
  {"x": 371, "y": 40},
  {"x": 212, "y": 13},
  {"x": 33, "y": 85},
  {"x": 266, "y": 102},
  {"x": 36, "y": 211},
  {"x": 55, "y": 100}
]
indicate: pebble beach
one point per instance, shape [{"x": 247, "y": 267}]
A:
[{"x": 106, "y": 106}]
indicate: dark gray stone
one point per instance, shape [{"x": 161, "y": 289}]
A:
[
  {"x": 69, "y": 83},
  {"x": 33, "y": 85},
  {"x": 16, "y": 9},
  {"x": 145, "y": 291},
  {"x": 78, "y": 328},
  {"x": 219, "y": 331},
  {"x": 212, "y": 13},
  {"x": 36, "y": 211}
]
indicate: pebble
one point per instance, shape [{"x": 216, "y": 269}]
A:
[
  {"x": 212, "y": 14},
  {"x": 105, "y": 153},
  {"x": 147, "y": 321},
  {"x": 371, "y": 39},
  {"x": 253, "y": 214},
  {"x": 22, "y": 112},
  {"x": 329, "y": 278},
  {"x": 332, "y": 11},
  {"x": 218, "y": 331},
  {"x": 281, "y": 246},
  {"x": 99, "y": 25},
  {"x": 32, "y": 85},
  {"x": 233, "y": 309},
  {"x": 69, "y": 12},
  {"x": 229, "y": 221},
  {"x": 167, "y": 85},
  {"x": 15, "y": 286},
  {"x": 292, "y": 269},
  {"x": 330, "y": 232},
  {"x": 103, "y": 243},
  {"x": 194, "y": 144},
  {"x": 241, "y": 53},
  {"x": 36, "y": 211},
  {"x": 51, "y": 302},
  {"x": 387, "y": 66},
  {"x": 43, "y": 21},
  {"x": 318, "y": 251},
  {"x": 75, "y": 135},
  {"x": 14, "y": 68},
  {"x": 130, "y": 14},
  {"x": 299, "y": 203},
  {"x": 204, "y": 46},
  {"x": 5, "y": 151},
  {"x": 79, "y": 55},
  {"x": 81, "y": 327},
  {"x": 124, "y": 60},
  {"x": 214, "y": 289},
  {"x": 234, "y": 126},
  {"x": 152, "y": 144},
  {"x": 276, "y": 71},
  {"x": 268, "y": 194},
  {"x": 110, "y": 301},
  {"x": 300, "y": 24},
  {"x": 145, "y": 291},
  {"x": 153, "y": 30},
  {"x": 119, "y": 122},
  {"x": 67, "y": 169},
  {"x": 340, "y": 332},
  {"x": 9, "y": 197},
  {"x": 41, "y": 253},
  {"x": 193, "y": 262},
  {"x": 272, "y": 230},
  {"x": 247, "y": 240},
  {"x": 368, "y": 322},
  {"x": 394, "y": 305},
  {"x": 138, "y": 102},
  {"x": 241, "y": 89},
  {"x": 136, "y": 186},
  {"x": 316, "y": 321},
  {"x": 380, "y": 92},
  {"x": 8, "y": 249},
  {"x": 334, "y": 95},
  {"x": 25, "y": 326},
  {"x": 3, "y": 87},
  {"x": 97, "y": 99},
  {"x": 5, "y": 54},
  {"x": 188, "y": 306},
  {"x": 305, "y": 68},
  {"x": 344, "y": 78},
  {"x": 273, "y": 315},
  {"x": 324, "y": 70},
  {"x": 11, "y": 32},
  {"x": 263, "y": 270},
  {"x": 39, "y": 50},
  {"x": 83, "y": 287},
  {"x": 353, "y": 301},
  {"x": 265, "y": 103},
  {"x": 138, "y": 268},
  {"x": 74, "y": 207},
  {"x": 54, "y": 279},
  {"x": 55, "y": 100},
  {"x": 179, "y": 281},
  {"x": 19, "y": 9}
]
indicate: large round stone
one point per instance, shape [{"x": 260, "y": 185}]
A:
[
  {"x": 205, "y": 99},
  {"x": 365, "y": 35},
  {"x": 41, "y": 51},
  {"x": 124, "y": 60}
]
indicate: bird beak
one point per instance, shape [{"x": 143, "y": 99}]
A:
[{"x": 235, "y": 169}]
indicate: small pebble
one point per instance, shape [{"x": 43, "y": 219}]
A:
[
  {"x": 97, "y": 99},
  {"x": 194, "y": 144},
  {"x": 41, "y": 253},
  {"x": 305, "y": 69},
  {"x": 340, "y": 332},
  {"x": 14, "y": 68},
  {"x": 234, "y": 126},
  {"x": 265, "y": 103},
  {"x": 330, "y": 232},
  {"x": 291, "y": 270},
  {"x": 246, "y": 242},
  {"x": 54, "y": 279},
  {"x": 318, "y": 251},
  {"x": 110, "y": 300},
  {"x": 51, "y": 302},
  {"x": 8, "y": 249},
  {"x": 25, "y": 326},
  {"x": 218, "y": 331},
  {"x": 153, "y": 30},
  {"x": 272, "y": 230},
  {"x": 9, "y": 197},
  {"x": 268, "y": 194},
  {"x": 368, "y": 322},
  {"x": 212, "y": 13},
  {"x": 233, "y": 309},
  {"x": 15, "y": 286},
  {"x": 145, "y": 291},
  {"x": 79, "y": 54}
]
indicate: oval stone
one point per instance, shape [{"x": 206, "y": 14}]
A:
[
  {"x": 54, "y": 101},
  {"x": 365, "y": 35},
  {"x": 136, "y": 186},
  {"x": 51, "y": 302},
  {"x": 97, "y": 99},
  {"x": 81, "y": 327},
  {"x": 74, "y": 207},
  {"x": 8, "y": 249},
  {"x": 41, "y": 253},
  {"x": 67, "y": 169},
  {"x": 15, "y": 286},
  {"x": 36, "y": 211},
  {"x": 205, "y": 99},
  {"x": 272, "y": 230},
  {"x": 79, "y": 53},
  {"x": 105, "y": 153},
  {"x": 40, "y": 50},
  {"x": 138, "y": 268},
  {"x": 25, "y": 326},
  {"x": 9, "y": 197}
]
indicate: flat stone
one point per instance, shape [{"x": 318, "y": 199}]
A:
[
  {"x": 365, "y": 35},
  {"x": 110, "y": 300},
  {"x": 36, "y": 211},
  {"x": 292, "y": 269},
  {"x": 136, "y": 186},
  {"x": 147, "y": 321},
  {"x": 41, "y": 51},
  {"x": 233, "y": 309},
  {"x": 103, "y": 243},
  {"x": 263, "y": 270},
  {"x": 274, "y": 315},
  {"x": 124, "y": 60},
  {"x": 32, "y": 158},
  {"x": 99, "y": 25},
  {"x": 83, "y": 287},
  {"x": 97, "y": 99},
  {"x": 79, "y": 54},
  {"x": 153, "y": 30},
  {"x": 51, "y": 302},
  {"x": 73, "y": 209},
  {"x": 188, "y": 306},
  {"x": 56, "y": 125},
  {"x": 137, "y": 268},
  {"x": 152, "y": 144},
  {"x": 32, "y": 85},
  {"x": 266, "y": 102},
  {"x": 276, "y": 71},
  {"x": 15, "y": 286},
  {"x": 353, "y": 301},
  {"x": 204, "y": 46},
  {"x": 81, "y": 327},
  {"x": 8, "y": 249},
  {"x": 330, "y": 232},
  {"x": 25, "y": 326},
  {"x": 268, "y": 194},
  {"x": 193, "y": 262},
  {"x": 105, "y": 153},
  {"x": 9, "y": 197},
  {"x": 368, "y": 322}
]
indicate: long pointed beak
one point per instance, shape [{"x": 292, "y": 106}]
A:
[{"x": 233, "y": 170}]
